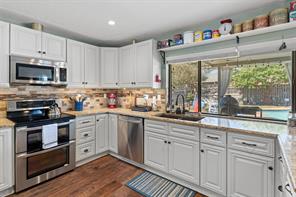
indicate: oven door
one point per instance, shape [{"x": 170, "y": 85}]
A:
[{"x": 34, "y": 168}]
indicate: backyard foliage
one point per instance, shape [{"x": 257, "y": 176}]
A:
[{"x": 261, "y": 75}]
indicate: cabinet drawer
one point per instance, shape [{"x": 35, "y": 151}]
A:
[
  {"x": 156, "y": 126},
  {"x": 212, "y": 136},
  {"x": 252, "y": 144},
  {"x": 183, "y": 131},
  {"x": 85, "y": 134},
  {"x": 85, "y": 150},
  {"x": 85, "y": 121}
]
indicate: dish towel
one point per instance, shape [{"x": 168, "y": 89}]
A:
[{"x": 49, "y": 136}]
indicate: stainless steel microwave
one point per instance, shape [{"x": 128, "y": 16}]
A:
[{"x": 34, "y": 71}]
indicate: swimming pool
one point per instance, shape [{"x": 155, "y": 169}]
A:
[{"x": 276, "y": 114}]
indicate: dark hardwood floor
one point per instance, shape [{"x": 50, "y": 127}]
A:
[{"x": 106, "y": 176}]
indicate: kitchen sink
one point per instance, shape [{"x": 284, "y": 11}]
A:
[{"x": 181, "y": 117}]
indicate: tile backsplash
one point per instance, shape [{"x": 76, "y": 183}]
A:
[{"x": 96, "y": 97}]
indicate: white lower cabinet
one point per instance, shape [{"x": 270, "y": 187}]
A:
[
  {"x": 156, "y": 151},
  {"x": 250, "y": 175},
  {"x": 183, "y": 159},
  {"x": 213, "y": 168},
  {"x": 101, "y": 133},
  {"x": 174, "y": 155},
  {"x": 113, "y": 133},
  {"x": 6, "y": 159}
]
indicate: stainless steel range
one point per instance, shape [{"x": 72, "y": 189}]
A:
[{"x": 44, "y": 142}]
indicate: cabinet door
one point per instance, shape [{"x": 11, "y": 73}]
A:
[
  {"x": 101, "y": 133},
  {"x": 213, "y": 168},
  {"x": 144, "y": 64},
  {"x": 249, "y": 175},
  {"x": 4, "y": 54},
  {"x": 183, "y": 159},
  {"x": 126, "y": 66},
  {"x": 113, "y": 133},
  {"x": 6, "y": 159},
  {"x": 156, "y": 151},
  {"x": 53, "y": 47},
  {"x": 109, "y": 67},
  {"x": 91, "y": 66},
  {"x": 75, "y": 58},
  {"x": 25, "y": 41}
]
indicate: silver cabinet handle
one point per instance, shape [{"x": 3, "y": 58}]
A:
[
  {"x": 249, "y": 144},
  {"x": 213, "y": 138},
  {"x": 85, "y": 122},
  {"x": 288, "y": 188}
]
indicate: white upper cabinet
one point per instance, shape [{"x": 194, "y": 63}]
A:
[
  {"x": 83, "y": 64},
  {"x": 31, "y": 43},
  {"x": 250, "y": 175},
  {"x": 25, "y": 41},
  {"x": 144, "y": 62},
  {"x": 75, "y": 64},
  {"x": 6, "y": 159},
  {"x": 92, "y": 66},
  {"x": 109, "y": 67},
  {"x": 139, "y": 65},
  {"x": 126, "y": 66},
  {"x": 54, "y": 47},
  {"x": 4, "y": 54}
]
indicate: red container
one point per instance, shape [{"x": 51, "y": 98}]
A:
[
  {"x": 292, "y": 5},
  {"x": 112, "y": 100}
]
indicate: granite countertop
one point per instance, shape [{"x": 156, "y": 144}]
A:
[
  {"x": 225, "y": 124},
  {"x": 4, "y": 122},
  {"x": 285, "y": 135}
]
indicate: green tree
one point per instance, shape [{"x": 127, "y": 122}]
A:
[{"x": 261, "y": 75}]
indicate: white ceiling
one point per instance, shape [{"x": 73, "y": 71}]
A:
[{"x": 135, "y": 19}]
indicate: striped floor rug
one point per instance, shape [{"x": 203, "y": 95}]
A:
[{"x": 151, "y": 185}]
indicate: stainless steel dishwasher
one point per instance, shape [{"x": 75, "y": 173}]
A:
[{"x": 131, "y": 138}]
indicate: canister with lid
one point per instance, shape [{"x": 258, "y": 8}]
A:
[
  {"x": 278, "y": 16},
  {"x": 248, "y": 25},
  {"x": 216, "y": 33},
  {"x": 207, "y": 34},
  {"x": 261, "y": 21},
  {"x": 188, "y": 37},
  {"x": 197, "y": 36},
  {"x": 237, "y": 28}
]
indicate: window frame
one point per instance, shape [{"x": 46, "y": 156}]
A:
[{"x": 199, "y": 88}]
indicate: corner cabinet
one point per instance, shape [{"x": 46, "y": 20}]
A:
[
  {"x": 101, "y": 133},
  {"x": 140, "y": 65},
  {"x": 83, "y": 65},
  {"x": 4, "y": 54},
  {"x": 113, "y": 129},
  {"x": 109, "y": 67},
  {"x": 6, "y": 159},
  {"x": 31, "y": 43}
]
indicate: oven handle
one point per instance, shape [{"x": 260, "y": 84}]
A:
[
  {"x": 21, "y": 129},
  {"x": 25, "y": 155}
]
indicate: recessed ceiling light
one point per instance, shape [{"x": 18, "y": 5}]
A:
[{"x": 111, "y": 23}]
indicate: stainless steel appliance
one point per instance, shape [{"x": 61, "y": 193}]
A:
[
  {"x": 37, "y": 71},
  {"x": 34, "y": 163},
  {"x": 131, "y": 138}
]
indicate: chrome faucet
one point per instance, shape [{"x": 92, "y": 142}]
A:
[{"x": 178, "y": 110}]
